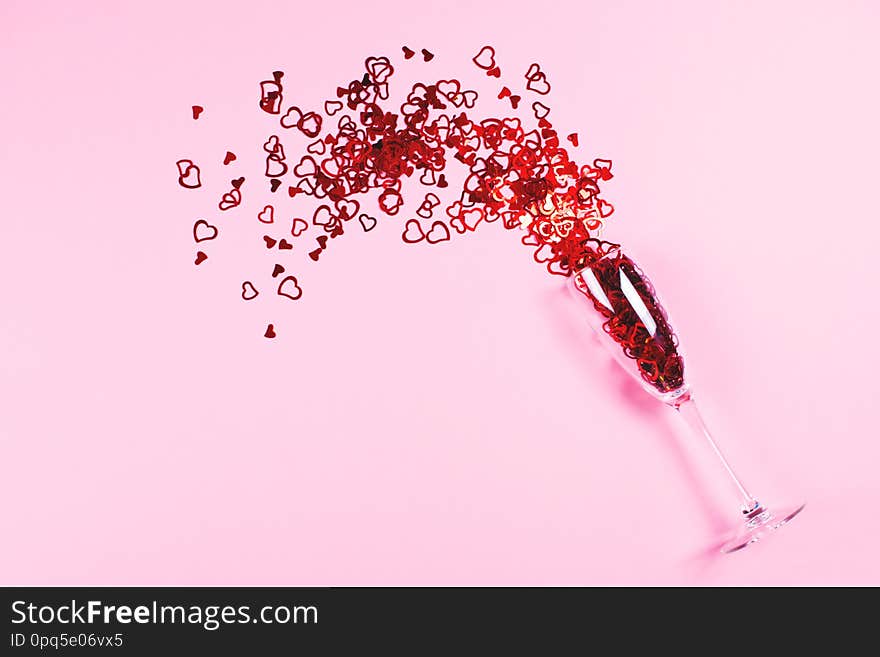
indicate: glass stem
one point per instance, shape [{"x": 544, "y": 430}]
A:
[{"x": 687, "y": 407}]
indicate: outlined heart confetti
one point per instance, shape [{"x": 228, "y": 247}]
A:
[{"x": 366, "y": 153}]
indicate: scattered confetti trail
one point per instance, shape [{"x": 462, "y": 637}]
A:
[{"x": 363, "y": 145}]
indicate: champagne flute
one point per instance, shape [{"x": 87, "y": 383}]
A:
[{"x": 632, "y": 323}]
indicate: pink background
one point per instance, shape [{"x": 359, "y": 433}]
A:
[{"x": 433, "y": 415}]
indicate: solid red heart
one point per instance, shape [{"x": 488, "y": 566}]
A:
[
  {"x": 274, "y": 184},
  {"x": 270, "y": 242},
  {"x": 203, "y": 231},
  {"x": 289, "y": 287},
  {"x": 573, "y": 138},
  {"x": 407, "y": 53},
  {"x": 277, "y": 270},
  {"x": 494, "y": 72},
  {"x": 248, "y": 291},
  {"x": 237, "y": 182},
  {"x": 200, "y": 257},
  {"x": 284, "y": 245},
  {"x": 299, "y": 227},
  {"x": 230, "y": 157},
  {"x": 438, "y": 233},
  {"x": 270, "y": 331},
  {"x": 314, "y": 255},
  {"x": 197, "y": 111},
  {"x": 267, "y": 215},
  {"x": 428, "y": 55}
]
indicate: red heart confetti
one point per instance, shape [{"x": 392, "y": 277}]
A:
[
  {"x": 248, "y": 291},
  {"x": 368, "y": 223},
  {"x": 267, "y": 215},
  {"x": 289, "y": 287},
  {"x": 189, "y": 175},
  {"x": 299, "y": 227},
  {"x": 485, "y": 59},
  {"x": 510, "y": 169},
  {"x": 413, "y": 232},
  {"x": 197, "y": 111},
  {"x": 200, "y": 257},
  {"x": 203, "y": 231},
  {"x": 438, "y": 233}
]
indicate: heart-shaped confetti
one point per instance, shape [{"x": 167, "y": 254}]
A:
[
  {"x": 507, "y": 167},
  {"x": 267, "y": 215},
  {"x": 485, "y": 59},
  {"x": 413, "y": 232},
  {"x": 291, "y": 118},
  {"x": 203, "y": 231},
  {"x": 299, "y": 227},
  {"x": 438, "y": 233},
  {"x": 230, "y": 200},
  {"x": 538, "y": 84},
  {"x": 189, "y": 175},
  {"x": 248, "y": 291},
  {"x": 289, "y": 287},
  {"x": 368, "y": 223}
]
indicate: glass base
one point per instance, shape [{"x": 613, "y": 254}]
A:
[{"x": 759, "y": 524}]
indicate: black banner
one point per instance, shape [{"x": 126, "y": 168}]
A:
[{"x": 348, "y": 621}]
